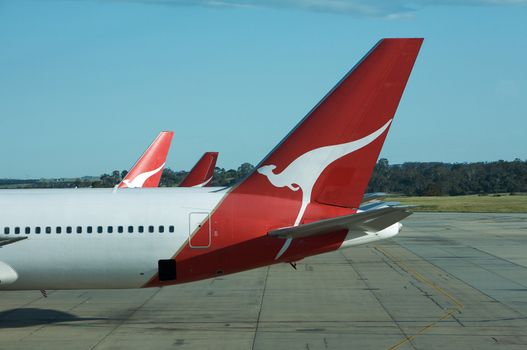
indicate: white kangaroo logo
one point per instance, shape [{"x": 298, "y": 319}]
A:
[
  {"x": 140, "y": 179},
  {"x": 304, "y": 171},
  {"x": 203, "y": 184}
]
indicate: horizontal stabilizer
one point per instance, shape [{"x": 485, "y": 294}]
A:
[
  {"x": 377, "y": 205},
  {"x": 370, "y": 221},
  {"x": 371, "y": 196},
  {"x": 9, "y": 240}
]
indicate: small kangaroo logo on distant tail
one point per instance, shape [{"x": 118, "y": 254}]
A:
[
  {"x": 303, "y": 172},
  {"x": 204, "y": 183},
  {"x": 140, "y": 179}
]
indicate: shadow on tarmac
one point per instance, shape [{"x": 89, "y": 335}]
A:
[{"x": 18, "y": 318}]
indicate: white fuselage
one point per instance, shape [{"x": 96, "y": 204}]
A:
[
  {"x": 106, "y": 238},
  {"x": 96, "y": 260}
]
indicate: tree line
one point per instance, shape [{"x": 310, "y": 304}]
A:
[
  {"x": 454, "y": 179},
  {"x": 412, "y": 179}
]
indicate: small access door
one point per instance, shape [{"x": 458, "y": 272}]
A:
[{"x": 199, "y": 230}]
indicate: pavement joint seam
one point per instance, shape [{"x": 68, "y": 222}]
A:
[
  {"x": 261, "y": 306},
  {"x": 419, "y": 277},
  {"x": 469, "y": 260},
  {"x": 22, "y": 307},
  {"x": 45, "y": 325},
  {"x": 378, "y": 300},
  {"x": 465, "y": 282},
  {"x": 124, "y": 319}
]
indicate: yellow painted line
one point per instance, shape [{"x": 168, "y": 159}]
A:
[
  {"x": 418, "y": 276},
  {"x": 422, "y": 330}
]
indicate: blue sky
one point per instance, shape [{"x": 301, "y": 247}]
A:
[{"x": 85, "y": 85}]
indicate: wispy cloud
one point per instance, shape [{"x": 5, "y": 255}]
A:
[{"x": 392, "y": 9}]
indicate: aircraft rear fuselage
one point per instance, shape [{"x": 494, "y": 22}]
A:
[{"x": 100, "y": 238}]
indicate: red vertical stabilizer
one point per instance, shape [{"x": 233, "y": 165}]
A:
[
  {"x": 147, "y": 171},
  {"x": 201, "y": 173}
]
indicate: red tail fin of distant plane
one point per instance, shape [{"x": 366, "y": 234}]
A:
[
  {"x": 147, "y": 171},
  {"x": 201, "y": 173},
  {"x": 329, "y": 156}
]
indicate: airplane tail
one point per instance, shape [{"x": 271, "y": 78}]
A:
[
  {"x": 147, "y": 171},
  {"x": 329, "y": 156},
  {"x": 201, "y": 173}
]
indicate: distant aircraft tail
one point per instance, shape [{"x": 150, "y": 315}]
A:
[
  {"x": 329, "y": 156},
  {"x": 201, "y": 173},
  {"x": 147, "y": 171}
]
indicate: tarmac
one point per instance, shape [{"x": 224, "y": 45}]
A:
[{"x": 448, "y": 281}]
